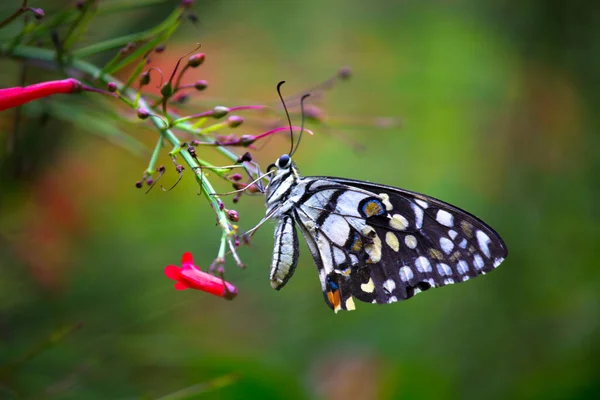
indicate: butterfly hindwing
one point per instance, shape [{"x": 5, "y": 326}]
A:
[{"x": 382, "y": 244}]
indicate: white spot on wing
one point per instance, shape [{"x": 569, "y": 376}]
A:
[
  {"x": 444, "y": 269},
  {"x": 398, "y": 222},
  {"x": 389, "y": 285},
  {"x": 410, "y": 241},
  {"x": 448, "y": 281},
  {"x": 463, "y": 244},
  {"x": 446, "y": 245},
  {"x": 452, "y": 233},
  {"x": 368, "y": 287},
  {"x": 418, "y": 215},
  {"x": 484, "y": 242},
  {"x": 406, "y": 274},
  {"x": 350, "y": 304},
  {"x": 392, "y": 240},
  {"x": 336, "y": 228},
  {"x": 478, "y": 261},
  {"x": 462, "y": 267},
  {"x": 445, "y": 218},
  {"x": 338, "y": 256},
  {"x": 422, "y": 203},
  {"x": 385, "y": 199},
  {"x": 348, "y": 201},
  {"x": 498, "y": 261},
  {"x": 392, "y": 299},
  {"x": 423, "y": 264}
]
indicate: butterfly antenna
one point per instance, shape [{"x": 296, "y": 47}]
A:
[
  {"x": 302, "y": 123},
  {"x": 287, "y": 114}
]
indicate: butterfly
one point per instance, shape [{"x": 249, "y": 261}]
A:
[{"x": 371, "y": 242}]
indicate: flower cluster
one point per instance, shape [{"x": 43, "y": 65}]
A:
[{"x": 188, "y": 139}]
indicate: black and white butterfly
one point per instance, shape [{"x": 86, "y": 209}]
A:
[{"x": 376, "y": 243}]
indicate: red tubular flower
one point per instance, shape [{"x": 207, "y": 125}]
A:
[
  {"x": 13, "y": 97},
  {"x": 190, "y": 276}
]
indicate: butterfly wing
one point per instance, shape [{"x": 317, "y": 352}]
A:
[{"x": 382, "y": 244}]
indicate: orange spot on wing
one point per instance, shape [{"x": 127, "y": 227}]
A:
[
  {"x": 373, "y": 208},
  {"x": 334, "y": 299}
]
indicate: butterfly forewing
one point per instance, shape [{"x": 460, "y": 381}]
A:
[
  {"x": 382, "y": 244},
  {"x": 377, "y": 243}
]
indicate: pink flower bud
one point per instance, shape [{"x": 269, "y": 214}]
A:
[
  {"x": 201, "y": 84},
  {"x": 196, "y": 60},
  {"x": 234, "y": 121}
]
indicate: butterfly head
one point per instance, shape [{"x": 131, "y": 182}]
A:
[
  {"x": 283, "y": 178},
  {"x": 284, "y": 162}
]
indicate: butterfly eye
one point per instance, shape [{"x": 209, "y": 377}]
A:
[{"x": 284, "y": 161}]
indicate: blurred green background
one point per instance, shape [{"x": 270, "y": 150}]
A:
[{"x": 499, "y": 108}]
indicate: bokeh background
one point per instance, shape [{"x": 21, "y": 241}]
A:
[{"x": 496, "y": 110}]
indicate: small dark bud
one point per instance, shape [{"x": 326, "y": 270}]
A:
[
  {"x": 142, "y": 114},
  {"x": 246, "y": 238},
  {"x": 234, "y": 121},
  {"x": 195, "y": 142},
  {"x": 181, "y": 99},
  {"x": 186, "y": 3},
  {"x": 192, "y": 151},
  {"x": 192, "y": 17},
  {"x": 245, "y": 157},
  {"x": 247, "y": 140},
  {"x": 80, "y": 5},
  {"x": 162, "y": 169},
  {"x": 221, "y": 205},
  {"x": 138, "y": 184},
  {"x": 237, "y": 242},
  {"x": 252, "y": 188},
  {"x": 38, "y": 13},
  {"x": 220, "y": 111},
  {"x": 160, "y": 48},
  {"x": 149, "y": 181},
  {"x": 122, "y": 51},
  {"x": 179, "y": 168},
  {"x": 166, "y": 90},
  {"x": 111, "y": 87},
  {"x": 344, "y": 73},
  {"x": 236, "y": 177},
  {"x": 236, "y": 198},
  {"x": 200, "y": 85},
  {"x": 233, "y": 215},
  {"x": 144, "y": 78},
  {"x": 130, "y": 46},
  {"x": 196, "y": 60},
  {"x": 313, "y": 112}
]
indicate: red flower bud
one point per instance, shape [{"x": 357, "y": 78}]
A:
[{"x": 190, "y": 276}]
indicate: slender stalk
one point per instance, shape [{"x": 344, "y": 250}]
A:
[
  {"x": 14, "y": 15},
  {"x": 26, "y": 52}
]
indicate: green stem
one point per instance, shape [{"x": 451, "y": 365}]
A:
[
  {"x": 26, "y": 52},
  {"x": 14, "y": 15},
  {"x": 134, "y": 37},
  {"x": 155, "y": 153}
]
